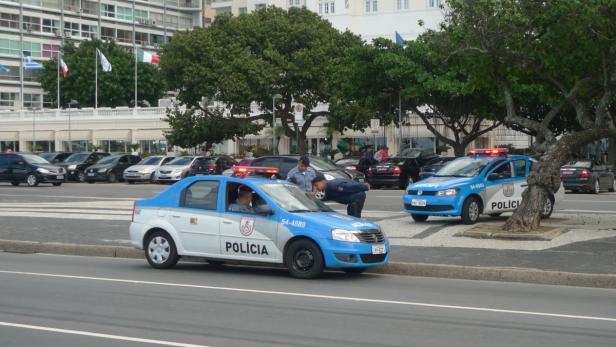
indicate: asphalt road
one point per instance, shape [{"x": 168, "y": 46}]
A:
[{"x": 75, "y": 301}]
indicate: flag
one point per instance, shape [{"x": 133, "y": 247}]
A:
[
  {"x": 399, "y": 40},
  {"x": 64, "y": 68},
  {"x": 3, "y": 68},
  {"x": 145, "y": 57},
  {"x": 30, "y": 64},
  {"x": 104, "y": 62}
]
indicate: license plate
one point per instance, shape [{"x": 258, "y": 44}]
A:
[
  {"x": 60, "y": 177},
  {"x": 381, "y": 168},
  {"x": 567, "y": 172},
  {"x": 90, "y": 173},
  {"x": 378, "y": 249},
  {"x": 132, "y": 175},
  {"x": 164, "y": 177},
  {"x": 418, "y": 202}
]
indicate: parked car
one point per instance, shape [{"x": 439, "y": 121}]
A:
[
  {"x": 356, "y": 164},
  {"x": 396, "y": 171},
  {"x": 284, "y": 164},
  {"x": 110, "y": 169},
  {"x": 145, "y": 169},
  {"x": 29, "y": 168},
  {"x": 432, "y": 166},
  {"x": 243, "y": 162},
  {"x": 585, "y": 175},
  {"x": 55, "y": 157},
  {"x": 186, "y": 166},
  {"x": 77, "y": 163}
]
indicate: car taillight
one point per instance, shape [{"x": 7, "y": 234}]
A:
[
  {"x": 397, "y": 170},
  {"x": 132, "y": 217},
  {"x": 585, "y": 174}
]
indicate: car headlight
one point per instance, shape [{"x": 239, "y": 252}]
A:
[
  {"x": 102, "y": 170},
  {"x": 345, "y": 235},
  {"x": 42, "y": 170},
  {"x": 329, "y": 177},
  {"x": 448, "y": 192},
  {"x": 72, "y": 167}
]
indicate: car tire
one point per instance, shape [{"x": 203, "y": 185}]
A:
[
  {"x": 304, "y": 259},
  {"x": 596, "y": 188},
  {"x": 57, "y": 184},
  {"x": 548, "y": 208},
  {"x": 471, "y": 210},
  {"x": 419, "y": 217},
  {"x": 81, "y": 176},
  {"x": 15, "y": 184},
  {"x": 152, "y": 178},
  {"x": 495, "y": 214},
  {"x": 613, "y": 189},
  {"x": 160, "y": 250},
  {"x": 111, "y": 178},
  {"x": 354, "y": 270},
  {"x": 32, "y": 180}
]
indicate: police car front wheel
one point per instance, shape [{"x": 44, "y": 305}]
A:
[
  {"x": 304, "y": 259},
  {"x": 160, "y": 250},
  {"x": 471, "y": 210}
]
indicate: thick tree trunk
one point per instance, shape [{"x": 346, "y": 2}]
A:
[{"x": 459, "y": 149}]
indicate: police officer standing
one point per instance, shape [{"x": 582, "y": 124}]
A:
[
  {"x": 342, "y": 191},
  {"x": 302, "y": 175}
]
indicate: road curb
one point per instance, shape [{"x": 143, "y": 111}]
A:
[{"x": 523, "y": 275}]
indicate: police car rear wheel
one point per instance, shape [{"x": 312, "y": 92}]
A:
[
  {"x": 304, "y": 259},
  {"x": 161, "y": 252},
  {"x": 471, "y": 210},
  {"x": 419, "y": 217}
]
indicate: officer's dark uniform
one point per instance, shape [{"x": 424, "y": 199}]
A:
[{"x": 347, "y": 192}]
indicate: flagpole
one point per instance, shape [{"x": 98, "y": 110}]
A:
[
  {"x": 96, "y": 78},
  {"x": 21, "y": 55},
  {"x": 135, "y": 52},
  {"x": 62, "y": 47}
]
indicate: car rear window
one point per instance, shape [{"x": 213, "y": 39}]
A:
[{"x": 583, "y": 164}]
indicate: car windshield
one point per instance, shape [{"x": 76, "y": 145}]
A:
[
  {"x": 150, "y": 161},
  {"x": 395, "y": 161},
  {"x": 108, "y": 160},
  {"x": 34, "y": 159},
  {"x": 582, "y": 164},
  {"x": 78, "y": 157},
  {"x": 292, "y": 199},
  {"x": 181, "y": 161},
  {"x": 322, "y": 164},
  {"x": 463, "y": 167},
  {"x": 47, "y": 156}
]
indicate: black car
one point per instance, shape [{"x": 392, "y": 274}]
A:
[
  {"x": 77, "y": 163},
  {"x": 30, "y": 169},
  {"x": 211, "y": 165},
  {"x": 585, "y": 175},
  {"x": 432, "y": 166},
  {"x": 284, "y": 163},
  {"x": 55, "y": 157},
  {"x": 396, "y": 171},
  {"x": 356, "y": 164},
  {"x": 110, "y": 169}
]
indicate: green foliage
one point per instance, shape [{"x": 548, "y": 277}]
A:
[
  {"x": 115, "y": 88},
  {"x": 250, "y": 58}
]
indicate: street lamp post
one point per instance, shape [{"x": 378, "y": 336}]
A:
[
  {"x": 274, "y": 97},
  {"x": 70, "y": 139}
]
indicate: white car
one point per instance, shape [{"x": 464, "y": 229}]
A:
[
  {"x": 176, "y": 169},
  {"x": 145, "y": 169}
]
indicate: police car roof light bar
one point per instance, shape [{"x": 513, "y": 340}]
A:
[
  {"x": 243, "y": 171},
  {"x": 490, "y": 151}
]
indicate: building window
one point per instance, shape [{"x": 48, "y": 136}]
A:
[
  {"x": 153, "y": 146},
  {"x": 125, "y": 36},
  {"x": 141, "y": 38},
  {"x": 51, "y": 26},
  {"x": 372, "y": 5},
  {"x": 157, "y": 39},
  {"x": 88, "y": 30},
  {"x": 89, "y": 7},
  {"x": 32, "y": 49},
  {"x": 50, "y": 51},
  {"x": 9, "y": 47},
  {"x": 141, "y": 14},
  {"x": 124, "y": 13},
  {"x": 108, "y": 10},
  {"x": 294, "y": 3},
  {"x": 156, "y": 18},
  {"x": 243, "y": 10},
  {"x": 8, "y": 99},
  {"x": 32, "y": 100},
  {"x": 107, "y": 33},
  {"x": 71, "y": 29},
  {"x": 402, "y": 4},
  {"x": 12, "y": 74},
  {"x": 31, "y": 75},
  {"x": 259, "y": 6},
  {"x": 326, "y": 6},
  {"x": 185, "y": 22},
  {"x": 76, "y": 146},
  {"x": 434, "y": 3},
  {"x": 31, "y": 23},
  {"x": 171, "y": 21},
  {"x": 114, "y": 145},
  {"x": 9, "y": 20}
]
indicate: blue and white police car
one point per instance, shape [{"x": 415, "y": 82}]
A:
[
  {"x": 486, "y": 181},
  {"x": 282, "y": 225}
]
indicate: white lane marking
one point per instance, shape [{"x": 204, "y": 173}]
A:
[
  {"x": 64, "y": 215},
  {"x": 586, "y": 211},
  {"x": 67, "y": 210},
  {"x": 72, "y": 197},
  {"x": 99, "y": 335},
  {"x": 316, "y": 296}
]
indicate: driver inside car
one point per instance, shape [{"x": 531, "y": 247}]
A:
[{"x": 243, "y": 202}]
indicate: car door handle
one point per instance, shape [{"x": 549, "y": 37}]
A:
[{"x": 226, "y": 221}]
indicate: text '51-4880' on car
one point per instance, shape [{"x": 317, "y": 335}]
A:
[
  {"x": 255, "y": 220},
  {"x": 486, "y": 181}
]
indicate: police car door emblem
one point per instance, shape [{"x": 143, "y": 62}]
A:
[
  {"x": 419, "y": 192},
  {"x": 247, "y": 225},
  {"x": 508, "y": 189}
]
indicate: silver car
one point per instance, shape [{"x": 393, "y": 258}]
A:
[
  {"x": 175, "y": 170},
  {"x": 145, "y": 169}
]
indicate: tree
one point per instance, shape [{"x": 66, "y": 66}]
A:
[
  {"x": 563, "y": 53},
  {"x": 115, "y": 88},
  {"x": 193, "y": 127},
  {"x": 430, "y": 83},
  {"x": 243, "y": 61}
]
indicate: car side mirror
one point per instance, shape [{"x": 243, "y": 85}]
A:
[{"x": 264, "y": 210}]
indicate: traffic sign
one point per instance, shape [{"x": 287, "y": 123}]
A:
[
  {"x": 298, "y": 111},
  {"x": 375, "y": 126}
]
